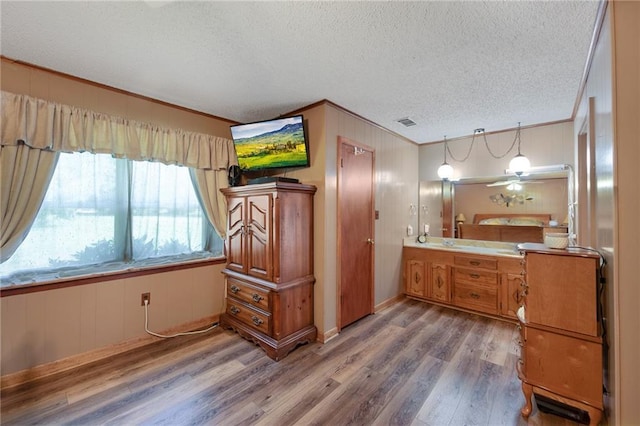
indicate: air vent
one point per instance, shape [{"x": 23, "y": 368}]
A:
[{"x": 406, "y": 122}]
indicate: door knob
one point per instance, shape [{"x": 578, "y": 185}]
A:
[{"x": 370, "y": 241}]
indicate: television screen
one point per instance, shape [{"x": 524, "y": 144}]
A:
[{"x": 271, "y": 144}]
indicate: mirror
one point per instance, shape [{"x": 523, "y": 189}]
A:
[{"x": 547, "y": 193}]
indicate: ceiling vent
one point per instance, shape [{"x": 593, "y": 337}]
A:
[{"x": 406, "y": 122}]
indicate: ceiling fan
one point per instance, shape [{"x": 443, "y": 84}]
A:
[{"x": 513, "y": 183}]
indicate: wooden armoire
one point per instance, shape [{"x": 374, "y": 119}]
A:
[{"x": 269, "y": 272}]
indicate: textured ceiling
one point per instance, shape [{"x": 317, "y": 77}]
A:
[{"x": 449, "y": 66}]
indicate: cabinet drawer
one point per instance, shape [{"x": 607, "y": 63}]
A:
[
  {"x": 476, "y": 262},
  {"x": 252, "y": 295},
  {"x": 259, "y": 320},
  {"x": 472, "y": 276},
  {"x": 479, "y": 297}
]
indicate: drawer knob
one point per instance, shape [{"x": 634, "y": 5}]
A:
[
  {"x": 476, "y": 276},
  {"x": 256, "y": 297},
  {"x": 256, "y": 320},
  {"x": 475, "y": 263},
  {"x": 234, "y": 310},
  {"x": 234, "y": 288},
  {"x": 474, "y": 295}
]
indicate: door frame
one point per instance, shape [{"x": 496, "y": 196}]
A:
[{"x": 346, "y": 141}]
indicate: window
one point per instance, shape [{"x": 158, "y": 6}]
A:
[{"x": 102, "y": 213}]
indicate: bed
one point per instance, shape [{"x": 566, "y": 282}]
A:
[{"x": 516, "y": 228}]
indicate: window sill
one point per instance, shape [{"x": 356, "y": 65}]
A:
[{"x": 90, "y": 278}]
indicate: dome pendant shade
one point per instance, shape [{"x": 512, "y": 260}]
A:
[
  {"x": 519, "y": 164},
  {"x": 445, "y": 171}
]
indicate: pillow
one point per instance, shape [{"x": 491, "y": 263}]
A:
[
  {"x": 525, "y": 221},
  {"x": 494, "y": 221}
]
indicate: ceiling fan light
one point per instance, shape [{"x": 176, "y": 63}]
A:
[
  {"x": 445, "y": 171},
  {"x": 514, "y": 187},
  {"x": 519, "y": 164}
]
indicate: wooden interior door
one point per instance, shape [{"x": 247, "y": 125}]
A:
[{"x": 355, "y": 231}]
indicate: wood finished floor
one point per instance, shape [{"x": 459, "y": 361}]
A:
[{"x": 411, "y": 364}]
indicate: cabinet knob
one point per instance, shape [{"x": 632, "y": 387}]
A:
[
  {"x": 234, "y": 288},
  {"x": 256, "y": 320},
  {"x": 370, "y": 241},
  {"x": 256, "y": 297}
]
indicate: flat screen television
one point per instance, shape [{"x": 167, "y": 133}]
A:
[{"x": 272, "y": 144}]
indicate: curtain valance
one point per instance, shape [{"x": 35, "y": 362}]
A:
[{"x": 51, "y": 126}]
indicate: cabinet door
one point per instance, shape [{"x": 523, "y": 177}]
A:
[
  {"x": 511, "y": 294},
  {"x": 415, "y": 279},
  {"x": 439, "y": 285},
  {"x": 259, "y": 236},
  {"x": 236, "y": 234}
]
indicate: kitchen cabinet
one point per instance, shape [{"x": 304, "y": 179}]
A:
[
  {"x": 561, "y": 333},
  {"x": 269, "y": 271}
]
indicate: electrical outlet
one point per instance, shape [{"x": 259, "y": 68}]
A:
[{"x": 145, "y": 296}]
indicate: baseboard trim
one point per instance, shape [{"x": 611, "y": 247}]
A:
[
  {"x": 330, "y": 334},
  {"x": 388, "y": 303},
  {"x": 333, "y": 333},
  {"x": 73, "y": 361}
]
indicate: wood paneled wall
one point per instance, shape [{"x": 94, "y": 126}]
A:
[
  {"x": 614, "y": 85},
  {"x": 544, "y": 145}
]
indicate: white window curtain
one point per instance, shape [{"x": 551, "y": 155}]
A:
[{"x": 34, "y": 124}]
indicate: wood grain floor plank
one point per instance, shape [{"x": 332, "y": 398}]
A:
[
  {"x": 461, "y": 372},
  {"x": 413, "y": 363}
]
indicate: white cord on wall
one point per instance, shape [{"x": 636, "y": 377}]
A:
[{"x": 186, "y": 333}]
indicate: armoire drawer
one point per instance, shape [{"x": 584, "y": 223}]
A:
[
  {"x": 255, "y": 318},
  {"x": 253, "y": 295}
]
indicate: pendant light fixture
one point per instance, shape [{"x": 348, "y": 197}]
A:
[
  {"x": 519, "y": 164},
  {"x": 445, "y": 171}
]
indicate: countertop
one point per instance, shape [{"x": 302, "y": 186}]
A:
[{"x": 489, "y": 248}]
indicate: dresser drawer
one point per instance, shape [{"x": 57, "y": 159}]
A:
[
  {"x": 565, "y": 365},
  {"x": 473, "y": 276},
  {"x": 479, "y": 297},
  {"x": 255, "y": 318},
  {"x": 476, "y": 262},
  {"x": 253, "y": 295}
]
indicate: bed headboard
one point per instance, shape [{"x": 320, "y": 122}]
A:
[{"x": 542, "y": 217}]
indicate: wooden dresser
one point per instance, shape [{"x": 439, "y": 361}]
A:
[
  {"x": 561, "y": 333},
  {"x": 269, "y": 272}
]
